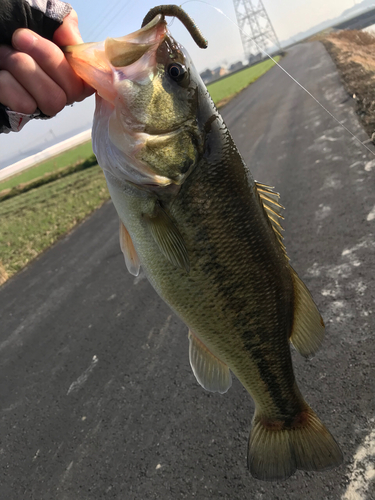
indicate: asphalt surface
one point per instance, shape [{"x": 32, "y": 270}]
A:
[{"x": 97, "y": 396}]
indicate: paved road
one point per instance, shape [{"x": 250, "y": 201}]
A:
[{"x": 97, "y": 396}]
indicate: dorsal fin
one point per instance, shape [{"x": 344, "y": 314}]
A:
[{"x": 270, "y": 201}]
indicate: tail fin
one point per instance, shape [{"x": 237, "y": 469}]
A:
[{"x": 276, "y": 450}]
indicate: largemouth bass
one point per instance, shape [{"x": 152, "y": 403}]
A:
[{"x": 207, "y": 236}]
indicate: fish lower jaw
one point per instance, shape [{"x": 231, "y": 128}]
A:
[
  {"x": 166, "y": 132},
  {"x": 136, "y": 177}
]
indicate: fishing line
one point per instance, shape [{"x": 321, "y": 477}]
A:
[
  {"x": 104, "y": 17},
  {"x": 115, "y": 16},
  {"x": 289, "y": 75}
]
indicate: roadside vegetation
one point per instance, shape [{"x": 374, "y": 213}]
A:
[
  {"x": 48, "y": 177},
  {"x": 353, "y": 53},
  {"x": 224, "y": 90},
  {"x": 69, "y": 188},
  {"x": 68, "y": 158}
]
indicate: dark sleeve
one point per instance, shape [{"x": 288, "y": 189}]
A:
[{"x": 41, "y": 16}]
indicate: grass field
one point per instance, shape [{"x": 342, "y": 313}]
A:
[
  {"x": 33, "y": 221},
  {"x": 69, "y": 157},
  {"x": 223, "y": 90}
]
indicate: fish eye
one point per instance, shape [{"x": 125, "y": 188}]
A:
[{"x": 176, "y": 71}]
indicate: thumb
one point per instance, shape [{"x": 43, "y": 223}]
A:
[{"x": 68, "y": 33}]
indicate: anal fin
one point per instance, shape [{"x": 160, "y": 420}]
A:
[
  {"x": 308, "y": 326},
  {"x": 211, "y": 373},
  {"x": 127, "y": 248}
]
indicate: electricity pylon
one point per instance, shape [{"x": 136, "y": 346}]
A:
[{"x": 257, "y": 32}]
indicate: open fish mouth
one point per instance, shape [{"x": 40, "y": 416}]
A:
[
  {"x": 131, "y": 57},
  {"x": 127, "y": 50}
]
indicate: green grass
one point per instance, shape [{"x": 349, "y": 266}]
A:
[
  {"x": 5, "y": 194},
  {"x": 33, "y": 221},
  {"x": 227, "y": 88},
  {"x": 69, "y": 157}
]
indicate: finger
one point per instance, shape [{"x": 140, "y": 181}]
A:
[
  {"x": 13, "y": 95},
  {"x": 68, "y": 33},
  {"x": 49, "y": 97},
  {"x": 51, "y": 60},
  {"x": 86, "y": 92}
]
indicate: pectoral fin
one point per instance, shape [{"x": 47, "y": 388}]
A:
[
  {"x": 211, "y": 373},
  {"x": 308, "y": 326},
  {"x": 127, "y": 248},
  {"x": 168, "y": 238}
]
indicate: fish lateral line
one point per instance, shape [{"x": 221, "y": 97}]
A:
[
  {"x": 193, "y": 261},
  {"x": 187, "y": 21}
]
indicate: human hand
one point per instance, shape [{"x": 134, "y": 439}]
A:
[{"x": 35, "y": 74}]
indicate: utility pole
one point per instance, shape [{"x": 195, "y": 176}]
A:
[{"x": 257, "y": 32}]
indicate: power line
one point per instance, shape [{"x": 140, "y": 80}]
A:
[
  {"x": 103, "y": 18},
  {"x": 104, "y": 27}
]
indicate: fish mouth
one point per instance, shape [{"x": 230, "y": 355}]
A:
[
  {"x": 127, "y": 50},
  {"x": 131, "y": 57}
]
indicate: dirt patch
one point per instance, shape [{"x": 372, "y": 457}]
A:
[{"x": 353, "y": 52}]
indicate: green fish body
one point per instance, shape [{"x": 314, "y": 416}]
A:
[{"x": 207, "y": 236}]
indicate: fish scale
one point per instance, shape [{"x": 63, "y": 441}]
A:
[{"x": 207, "y": 236}]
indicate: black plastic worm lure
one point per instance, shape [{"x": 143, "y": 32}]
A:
[{"x": 187, "y": 21}]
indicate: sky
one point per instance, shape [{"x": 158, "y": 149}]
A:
[{"x": 99, "y": 19}]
